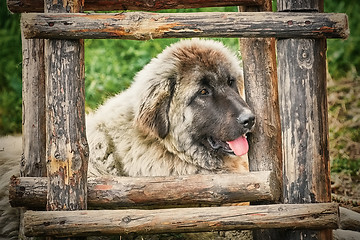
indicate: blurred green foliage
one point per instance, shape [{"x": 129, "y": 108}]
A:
[
  {"x": 111, "y": 64},
  {"x": 10, "y": 72},
  {"x": 344, "y": 55},
  {"x": 349, "y": 166}
]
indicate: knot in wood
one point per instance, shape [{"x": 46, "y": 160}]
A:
[
  {"x": 281, "y": 209},
  {"x": 305, "y": 57},
  {"x": 23, "y": 160},
  {"x": 126, "y": 219},
  {"x": 150, "y": 3},
  {"x": 57, "y": 155}
]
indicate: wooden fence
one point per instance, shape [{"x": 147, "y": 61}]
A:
[{"x": 293, "y": 159}]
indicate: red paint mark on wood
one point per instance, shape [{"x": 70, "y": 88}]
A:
[
  {"x": 103, "y": 187},
  {"x": 327, "y": 29},
  {"x": 258, "y": 214}
]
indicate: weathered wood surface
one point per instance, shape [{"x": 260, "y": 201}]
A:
[
  {"x": 350, "y": 220},
  {"x": 21, "y": 6},
  {"x": 116, "y": 192},
  {"x": 66, "y": 147},
  {"x": 304, "y": 122},
  {"x": 340, "y": 234},
  {"x": 33, "y": 112},
  {"x": 303, "y": 106},
  {"x": 33, "y": 109},
  {"x": 260, "y": 77},
  {"x": 300, "y": 5},
  {"x": 143, "y": 26},
  {"x": 349, "y": 225},
  {"x": 109, "y": 222}
]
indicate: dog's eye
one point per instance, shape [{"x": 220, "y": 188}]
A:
[
  {"x": 231, "y": 82},
  {"x": 204, "y": 92}
]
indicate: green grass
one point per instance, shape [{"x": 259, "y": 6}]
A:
[
  {"x": 346, "y": 165},
  {"x": 110, "y": 65},
  {"x": 344, "y": 55},
  {"x": 344, "y": 124}
]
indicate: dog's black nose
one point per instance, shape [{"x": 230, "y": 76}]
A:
[{"x": 247, "y": 119}]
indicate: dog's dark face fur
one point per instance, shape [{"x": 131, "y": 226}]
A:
[{"x": 202, "y": 107}]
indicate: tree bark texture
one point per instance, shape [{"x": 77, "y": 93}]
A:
[
  {"x": 340, "y": 234},
  {"x": 260, "y": 77},
  {"x": 350, "y": 220},
  {"x": 261, "y": 90},
  {"x": 33, "y": 109},
  {"x": 21, "y": 6},
  {"x": 144, "y": 26},
  {"x": 33, "y": 162},
  {"x": 33, "y": 104},
  {"x": 111, "y": 222},
  {"x": 303, "y": 106},
  {"x": 304, "y": 121},
  {"x": 157, "y": 192},
  {"x": 300, "y": 5},
  {"x": 67, "y": 149}
]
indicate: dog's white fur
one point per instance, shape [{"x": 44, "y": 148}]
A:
[
  {"x": 114, "y": 136},
  {"x": 10, "y": 156},
  {"x": 117, "y": 145}
]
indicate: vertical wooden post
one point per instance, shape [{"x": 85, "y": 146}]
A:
[
  {"x": 66, "y": 144},
  {"x": 33, "y": 162},
  {"x": 303, "y": 104},
  {"x": 261, "y": 91}
]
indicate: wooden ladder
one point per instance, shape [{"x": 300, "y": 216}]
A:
[{"x": 291, "y": 170}]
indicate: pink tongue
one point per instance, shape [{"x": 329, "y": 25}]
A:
[{"x": 240, "y": 146}]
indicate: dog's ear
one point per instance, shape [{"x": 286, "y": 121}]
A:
[{"x": 153, "y": 115}]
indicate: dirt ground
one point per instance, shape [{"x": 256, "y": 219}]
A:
[{"x": 344, "y": 125}]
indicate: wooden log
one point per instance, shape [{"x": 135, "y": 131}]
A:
[
  {"x": 111, "y": 222},
  {"x": 304, "y": 122},
  {"x": 191, "y": 190},
  {"x": 303, "y": 106},
  {"x": 33, "y": 109},
  {"x": 349, "y": 220},
  {"x": 340, "y": 234},
  {"x": 144, "y": 26},
  {"x": 302, "y": 5},
  {"x": 21, "y": 6},
  {"x": 260, "y": 77},
  {"x": 66, "y": 147},
  {"x": 33, "y": 112}
]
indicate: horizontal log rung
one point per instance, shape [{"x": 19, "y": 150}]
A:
[
  {"x": 21, "y": 6},
  {"x": 111, "y": 222},
  {"x": 144, "y": 26},
  {"x": 188, "y": 190}
]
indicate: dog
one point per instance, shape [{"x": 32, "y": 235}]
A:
[{"x": 184, "y": 113}]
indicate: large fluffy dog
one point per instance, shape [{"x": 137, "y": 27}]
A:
[{"x": 183, "y": 114}]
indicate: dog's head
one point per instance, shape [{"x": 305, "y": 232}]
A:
[{"x": 192, "y": 100}]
